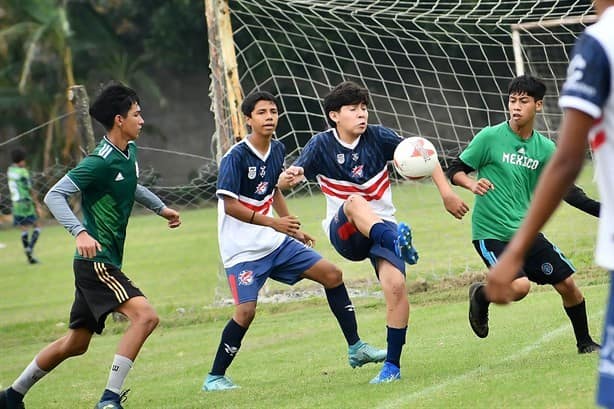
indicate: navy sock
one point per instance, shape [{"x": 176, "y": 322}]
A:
[
  {"x": 13, "y": 397},
  {"x": 384, "y": 235},
  {"x": 34, "y": 237},
  {"x": 109, "y": 395},
  {"x": 232, "y": 335},
  {"x": 396, "y": 340},
  {"x": 341, "y": 306},
  {"x": 24, "y": 240}
]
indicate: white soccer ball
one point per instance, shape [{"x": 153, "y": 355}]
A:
[{"x": 415, "y": 158}]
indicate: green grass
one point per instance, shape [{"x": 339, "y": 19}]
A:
[{"x": 294, "y": 355}]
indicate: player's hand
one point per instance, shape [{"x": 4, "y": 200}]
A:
[
  {"x": 172, "y": 216},
  {"x": 305, "y": 238},
  {"x": 455, "y": 205},
  {"x": 289, "y": 225},
  {"x": 291, "y": 177},
  {"x": 481, "y": 186},
  {"x": 87, "y": 245},
  {"x": 499, "y": 279}
]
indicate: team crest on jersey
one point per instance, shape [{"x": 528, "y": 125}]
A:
[
  {"x": 261, "y": 188},
  {"x": 262, "y": 171},
  {"x": 340, "y": 158},
  {"x": 355, "y": 156},
  {"x": 246, "y": 277},
  {"x": 357, "y": 171},
  {"x": 251, "y": 172}
]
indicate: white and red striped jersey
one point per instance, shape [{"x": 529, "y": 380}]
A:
[
  {"x": 590, "y": 89},
  {"x": 249, "y": 177},
  {"x": 361, "y": 168}
]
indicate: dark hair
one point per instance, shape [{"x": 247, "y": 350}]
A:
[
  {"x": 346, "y": 93},
  {"x": 250, "y": 101},
  {"x": 18, "y": 155},
  {"x": 114, "y": 99},
  {"x": 526, "y": 84}
]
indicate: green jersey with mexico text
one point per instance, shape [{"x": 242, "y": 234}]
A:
[
  {"x": 513, "y": 165},
  {"x": 19, "y": 186},
  {"x": 107, "y": 180}
]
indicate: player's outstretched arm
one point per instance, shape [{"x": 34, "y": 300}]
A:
[
  {"x": 451, "y": 201},
  {"x": 577, "y": 198}
]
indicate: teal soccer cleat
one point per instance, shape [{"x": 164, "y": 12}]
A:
[
  {"x": 389, "y": 373},
  {"x": 218, "y": 383},
  {"x": 362, "y": 353},
  {"x": 404, "y": 249}
]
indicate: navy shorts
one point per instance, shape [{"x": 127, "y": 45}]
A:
[
  {"x": 352, "y": 245},
  {"x": 24, "y": 220},
  {"x": 544, "y": 263},
  {"x": 99, "y": 289},
  {"x": 286, "y": 264},
  {"x": 605, "y": 387}
]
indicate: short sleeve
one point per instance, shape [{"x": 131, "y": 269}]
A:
[
  {"x": 587, "y": 86},
  {"x": 229, "y": 176},
  {"x": 388, "y": 140},
  {"x": 308, "y": 158},
  {"x": 476, "y": 152},
  {"x": 91, "y": 170}
]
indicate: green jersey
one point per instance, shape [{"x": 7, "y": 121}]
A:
[
  {"x": 107, "y": 180},
  {"x": 19, "y": 186},
  {"x": 513, "y": 165}
]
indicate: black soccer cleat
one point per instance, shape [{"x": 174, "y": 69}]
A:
[
  {"x": 478, "y": 312},
  {"x": 6, "y": 403},
  {"x": 589, "y": 347}
]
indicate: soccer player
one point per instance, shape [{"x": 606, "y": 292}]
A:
[
  {"x": 587, "y": 99},
  {"x": 107, "y": 180},
  {"x": 509, "y": 158},
  {"x": 255, "y": 245},
  {"x": 350, "y": 163},
  {"x": 25, "y": 205}
]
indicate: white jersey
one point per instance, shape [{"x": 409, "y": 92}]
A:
[
  {"x": 361, "y": 168},
  {"x": 590, "y": 89},
  {"x": 249, "y": 177}
]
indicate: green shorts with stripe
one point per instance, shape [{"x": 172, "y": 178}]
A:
[{"x": 99, "y": 289}]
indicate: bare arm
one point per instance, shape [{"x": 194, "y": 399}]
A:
[
  {"x": 284, "y": 224},
  {"x": 451, "y": 201},
  {"x": 554, "y": 183}
]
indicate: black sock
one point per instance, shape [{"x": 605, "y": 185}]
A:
[
  {"x": 396, "y": 340},
  {"x": 34, "y": 237},
  {"x": 229, "y": 346},
  {"x": 579, "y": 322},
  {"x": 24, "y": 240},
  {"x": 341, "y": 306},
  {"x": 480, "y": 295},
  {"x": 383, "y": 235},
  {"x": 13, "y": 397}
]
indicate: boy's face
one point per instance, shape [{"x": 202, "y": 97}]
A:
[
  {"x": 263, "y": 120},
  {"x": 351, "y": 119},
  {"x": 132, "y": 123},
  {"x": 523, "y": 108}
]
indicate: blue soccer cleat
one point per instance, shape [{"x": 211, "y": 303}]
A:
[
  {"x": 112, "y": 404},
  {"x": 218, "y": 383},
  {"x": 404, "y": 249},
  {"x": 362, "y": 353},
  {"x": 7, "y": 403},
  {"x": 389, "y": 373}
]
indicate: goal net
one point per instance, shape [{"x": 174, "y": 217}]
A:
[{"x": 437, "y": 69}]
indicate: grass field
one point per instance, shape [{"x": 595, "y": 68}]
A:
[{"x": 294, "y": 355}]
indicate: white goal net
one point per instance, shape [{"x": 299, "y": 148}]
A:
[{"x": 437, "y": 69}]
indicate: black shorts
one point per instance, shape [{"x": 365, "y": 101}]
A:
[
  {"x": 99, "y": 289},
  {"x": 544, "y": 264}
]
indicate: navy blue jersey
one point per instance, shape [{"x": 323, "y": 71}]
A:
[
  {"x": 361, "y": 168},
  {"x": 251, "y": 178}
]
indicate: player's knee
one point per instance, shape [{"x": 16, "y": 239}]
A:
[
  {"x": 333, "y": 277},
  {"x": 147, "y": 318},
  {"x": 354, "y": 203},
  {"x": 75, "y": 348},
  {"x": 245, "y": 316}
]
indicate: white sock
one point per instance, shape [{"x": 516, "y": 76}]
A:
[
  {"x": 119, "y": 370},
  {"x": 28, "y": 377}
]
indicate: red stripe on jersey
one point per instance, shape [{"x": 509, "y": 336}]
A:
[
  {"x": 353, "y": 188},
  {"x": 376, "y": 196},
  {"x": 232, "y": 281},
  {"x": 598, "y": 140},
  {"x": 346, "y": 230},
  {"x": 263, "y": 208}
]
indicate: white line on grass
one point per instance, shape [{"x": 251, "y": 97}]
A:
[{"x": 403, "y": 401}]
